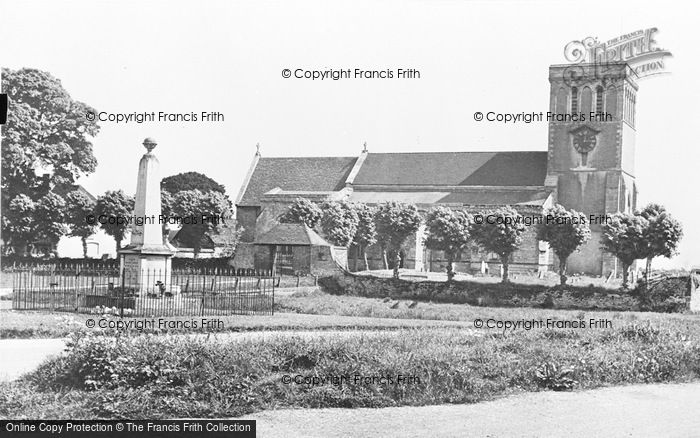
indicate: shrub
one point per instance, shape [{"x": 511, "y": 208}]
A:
[
  {"x": 672, "y": 299},
  {"x": 109, "y": 362},
  {"x": 549, "y": 376},
  {"x": 669, "y": 294}
]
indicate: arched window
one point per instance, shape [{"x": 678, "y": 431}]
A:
[
  {"x": 574, "y": 99},
  {"x": 611, "y": 102},
  {"x": 561, "y": 101},
  {"x": 599, "y": 99},
  {"x": 586, "y": 100}
]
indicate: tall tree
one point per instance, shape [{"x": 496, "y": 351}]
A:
[
  {"x": 447, "y": 230},
  {"x": 565, "y": 231},
  {"x": 80, "y": 207},
  {"x": 45, "y": 145},
  {"x": 500, "y": 233},
  {"x": 173, "y": 185},
  {"x": 190, "y": 181},
  {"x": 339, "y": 222},
  {"x": 114, "y": 204},
  {"x": 204, "y": 208},
  {"x": 302, "y": 211},
  {"x": 366, "y": 234},
  {"x": 663, "y": 234},
  {"x": 396, "y": 222},
  {"x": 624, "y": 237}
]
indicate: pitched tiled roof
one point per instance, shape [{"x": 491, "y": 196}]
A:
[
  {"x": 291, "y": 234},
  {"x": 185, "y": 239},
  {"x": 454, "y": 169},
  {"x": 315, "y": 174},
  {"x": 473, "y": 197}
]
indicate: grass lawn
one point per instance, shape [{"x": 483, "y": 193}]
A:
[
  {"x": 549, "y": 278},
  {"x": 312, "y": 309},
  {"x": 314, "y": 301},
  {"x": 31, "y": 324}
]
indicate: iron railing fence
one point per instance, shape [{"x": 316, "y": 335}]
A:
[
  {"x": 148, "y": 293},
  {"x": 101, "y": 268}
]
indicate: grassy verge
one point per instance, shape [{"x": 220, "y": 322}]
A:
[
  {"x": 29, "y": 324},
  {"x": 175, "y": 377}
]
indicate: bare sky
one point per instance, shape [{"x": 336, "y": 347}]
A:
[{"x": 226, "y": 56}]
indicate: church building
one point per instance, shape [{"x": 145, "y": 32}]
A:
[{"x": 588, "y": 166}]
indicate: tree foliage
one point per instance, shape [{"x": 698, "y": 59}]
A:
[
  {"x": 114, "y": 204},
  {"x": 565, "y": 231},
  {"x": 229, "y": 236},
  {"x": 50, "y": 217},
  {"x": 190, "y": 181},
  {"x": 18, "y": 221},
  {"x": 662, "y": 235},
  {"x": 447, "y": 230},
  {"x": 166, "y": 208},
  {"x": 624, "y": 237},
  {"x": 396, "y": 222},
  {"x": 196, "y": 204},
  {"x": 366, "y": 234},
  {"x": 502, "y": 237},
  {"x": 187, "y": 181},
  {"x": 79, "y": 207},
  {"x": 339, "y": 222},
  {"x": 302, "y": 211},
  {"x": 45, "y": 147}
]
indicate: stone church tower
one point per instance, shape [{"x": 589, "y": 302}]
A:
[{"x": 590, "y": 163}]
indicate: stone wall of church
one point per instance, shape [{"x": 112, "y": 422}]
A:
[{"x": 246, "y": 218}]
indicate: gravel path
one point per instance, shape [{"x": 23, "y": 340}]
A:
[{"x": 630, "y": 411}]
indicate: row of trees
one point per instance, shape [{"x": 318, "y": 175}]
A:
[
  {"x": 344, "y": 224},
  {"x": 77, "y": 215},
  {"x": 390, "y": 225},
  {"x": 644, "y": 235}
]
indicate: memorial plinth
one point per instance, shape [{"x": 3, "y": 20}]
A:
[{"x": 145, "y": 264}]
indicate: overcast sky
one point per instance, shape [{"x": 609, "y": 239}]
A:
[{"x": 226, "y": 56}]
